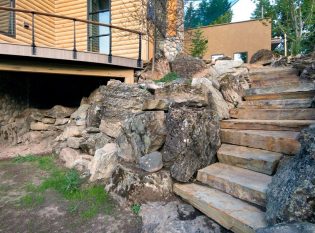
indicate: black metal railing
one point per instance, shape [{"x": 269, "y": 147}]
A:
[{"x": 75, "y": 20}]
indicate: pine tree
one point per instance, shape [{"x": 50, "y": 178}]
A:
[{"x": 199, "y": 44}]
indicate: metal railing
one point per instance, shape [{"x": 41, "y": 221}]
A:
[{"x": 75, "y": 20}]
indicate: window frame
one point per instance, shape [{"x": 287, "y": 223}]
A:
[
  {"x": 13, "y": 18},
  {"x": 89, "y": 14}
]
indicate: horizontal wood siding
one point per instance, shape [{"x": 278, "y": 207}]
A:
[
  {"x": 45, "y": 26},
  {"x": 58, "y": 33},
  {"x": 64, "y": 28}
]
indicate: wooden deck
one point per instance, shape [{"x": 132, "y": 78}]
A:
[{"x": 19, "y": 58}]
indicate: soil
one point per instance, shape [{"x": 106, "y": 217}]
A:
[{"x": 52, "y": 215}]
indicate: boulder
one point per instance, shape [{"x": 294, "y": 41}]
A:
[
  {"x": 74, "y": 159},
  {"x": 309, "y": 72},
  {"x": 291, "y": 194},
  {"x": 155, "y": 104},
  {"x": 39, "y": 126},
  {"x": 96, "y": 96},
  {"x": 48, "y": 120},
  {"x": 182, "y": 93},
  {"x": 120, "y": 101},
  {"x": 70, "y": 131},
  {"x": 289, "y": 228},
  {"x": 215, "y": 98},
  {"x": 129, "y": 184},
  {"x": 262, "y": 57},
  {"x": 161, "y": 217},
  {"x": 226, "y": 66},
  {"x": 192, "y": 141},
  {"x": 104, "y": 162},
  {"x": 142, "y": 134},
  {"x": 74, "y": 142},
  {"x": 61, "y": 121},
  {"x": 79, "y": 116},
  {"x": 94, "y": 115},
  {"x": 187, "y": 66},
  {"x": 59, "y": 111},
  {"x": 151, "y": 162},
  {"x": 83, "y": 164},
  {"x": 233, "y": 86},
  {"x": 92, "y": 142}
]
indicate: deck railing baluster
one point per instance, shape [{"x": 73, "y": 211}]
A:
[
  {"x": 140, "y": 51},
  {"x": 74, "y": 40},
  {"x": 33, "y": 34}
]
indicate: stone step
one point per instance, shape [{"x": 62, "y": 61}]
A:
[
  {"x": 269, "y": 73},
  {"x": 284, "y": 103},
  {"x": 232, "y": 213},
  {"x": 241, "y": 183},
  {"x": 275, "y": 82},
  {"x": 276, "y": 141},
  {"x": 273, "y": 114},
  {"x": 301, "y": 87},
  {"x": 270, "y": 125},
  {"x": 258, "y": 160},
  {"x": 281, "y": 96}
]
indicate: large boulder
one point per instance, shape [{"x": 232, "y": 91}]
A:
[
  {"x": 187, "y": 66},
  {"x": 289, "y": 228},
  {"x": 233, "y": 86},
  {"x": 192, "y": 141},
  {"x": 215, "y": 98},
  {"x": 142, "y": 134},
  {"x": 175, "y": 217},
  {"x": 120, "y": 102},
  {"x": 79, "y": 116},
  {"x": 129, "y": 184},
  {"x": 94, "y": 141},
  {"x": 94, "y": 115},
  {"x": 74, "y": 159},
  {"x": 182, "y": 93},
  {"x": 104, "y": 162},
  {"x": 291, "y": 194},
  {"x": 225, "y": 66},
  {"x": 262, "y": 57}
]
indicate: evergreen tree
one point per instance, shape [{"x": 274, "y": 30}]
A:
[
  {"x": 208, "y": 12},
  {"x": 199, "y": 44}
]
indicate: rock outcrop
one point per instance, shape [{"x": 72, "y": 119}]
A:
[
  {"x": 289, "y": 228},
  {"x": 291, "y": 195}
]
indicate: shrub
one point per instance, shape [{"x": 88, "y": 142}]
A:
[{"x": 199, "y": 44}]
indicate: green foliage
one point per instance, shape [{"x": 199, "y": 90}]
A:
[
  {"x": 136, "y": 208},
  {"x": 87, "y": 202},
  {"x": 295, "y": 18},
  {"x": 208, "y": 12},
  {"x": 199, "y": 44},
  {"x": 170, "y": 77}
]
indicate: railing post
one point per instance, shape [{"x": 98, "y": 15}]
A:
[
  {"x": 74, "y": 40},
  {"x": 110, "y": 56},
  {"x": 33, "y": 34},
  {"x": 140, "y": 51}
]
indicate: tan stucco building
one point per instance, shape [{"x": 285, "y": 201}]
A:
[{"x": 235, "y": 39}]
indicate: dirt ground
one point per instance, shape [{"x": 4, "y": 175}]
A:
[{"x": 51, "y": 214}]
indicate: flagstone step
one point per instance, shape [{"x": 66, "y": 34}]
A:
[
  {"x": 285, "y": 103},
  {"x": 289, "y": 88},
  {"x": 270, "y": 125},
  {"x": 284, "y": 95},
  {"x": 241, "y": 183},
  {"x": 273, "y": 114},
  {"x": 258, "y": 160},
  {"x": 276, "y": 141},
  {"x": 232, "y": 213}
]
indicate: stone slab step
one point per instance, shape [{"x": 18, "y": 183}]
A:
[
  {"x": 270, "y": 125},
  {"x": 301, "y": 87},
  {"x": 285, "y": 103},
  {"x": 273, "y": 114},
  {"x": 241, "y": 183},
  {"x": 280, "y": 96},
  {"x": 265, "y": 73},
  {"x": 232, "y": 213},
  {"x": 275, "y": 82},
  {"x": 276, "y": 141},
  {"x": 258, "y": 160}
]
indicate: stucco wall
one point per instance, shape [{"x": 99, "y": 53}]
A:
[{"x": 227, "y": 39}]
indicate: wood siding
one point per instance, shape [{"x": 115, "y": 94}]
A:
[{"x": 58, "y": 33}]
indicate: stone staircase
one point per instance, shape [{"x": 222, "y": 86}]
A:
[{"x": 264, "y": 128}]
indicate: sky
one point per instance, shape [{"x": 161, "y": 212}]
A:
[{"x": 242, "y": 10}]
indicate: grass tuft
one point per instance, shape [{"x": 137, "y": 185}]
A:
[
  {"x": 170, "y": 77},
  {"x": 87, "y": 202}
]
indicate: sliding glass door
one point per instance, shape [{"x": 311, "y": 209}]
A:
[{"x": 99, "y": 36}]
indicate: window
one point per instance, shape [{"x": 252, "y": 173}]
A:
[
  {"x": 241, "y": 56},
  {"x": 216, "y": 56},
  {"x": 99, "y": 36},
  {"x": 7, "y": 18}
]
